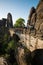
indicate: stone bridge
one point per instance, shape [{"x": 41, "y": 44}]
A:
[{"x": 28, "y": 41}]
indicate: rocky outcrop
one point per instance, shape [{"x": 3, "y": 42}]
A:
[
  {"x": 33, "y": 19},
  {"x": 3, "y": 61},
  {"x": 23, "y": 55},
  {"x": 36, "y": 20},
  {"x": 9, "y": 21},
  {"x": 38, "y": 57},
  {"x": 31, "y": 12}
]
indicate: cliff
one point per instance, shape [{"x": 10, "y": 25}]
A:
[
  {"x": 22, "y": 48},
  {"x": 36, "y": 20}
]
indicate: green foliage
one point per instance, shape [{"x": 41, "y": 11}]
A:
[
  {"x": 7, "y": 46},
  {"x": 11, "y": 45},
  {"x": 3, "y": 40},
  {"x": 20, "y": 23}
]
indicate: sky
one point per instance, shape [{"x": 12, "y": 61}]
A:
[{"x": 18, "y": 8}]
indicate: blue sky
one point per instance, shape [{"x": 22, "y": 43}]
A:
[{"x": 18, "y": 8}]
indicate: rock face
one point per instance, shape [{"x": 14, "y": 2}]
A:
[
  {"x": 9, "y": 21},
  {"x": 36, "y": 19},
  {"x": 3, "y": 61},
  {"x": 38, "y": 57},
  {"x": 31, "y": 12},
  {"x": 23, "y": 55},
  {"x": 3, "y": 22}
]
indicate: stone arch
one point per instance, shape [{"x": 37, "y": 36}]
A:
[{"x": 16, "y": 37}]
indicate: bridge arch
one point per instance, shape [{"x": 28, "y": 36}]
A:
[
  {"x": 16, "y": 37},
  {"x": 13, "y": 34}
]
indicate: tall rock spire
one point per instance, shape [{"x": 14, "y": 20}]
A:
[{"x": 9, "y": 21}]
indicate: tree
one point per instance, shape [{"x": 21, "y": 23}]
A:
[{"x": 19, "y": 23}]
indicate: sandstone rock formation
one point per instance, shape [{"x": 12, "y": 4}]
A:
[
  {"x": 23, "y": 55},
  {"x": 35, "y": 26},
  {"x": 38, "y": 57},
  {"x": 31, "y": 12},
  {"x": 3, "y": 61},
  {"x": 36, "y": 20},
  {"x": 9, "y": 21}
]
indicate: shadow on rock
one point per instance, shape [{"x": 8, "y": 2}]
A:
[{"x": 37, "y": 57}]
